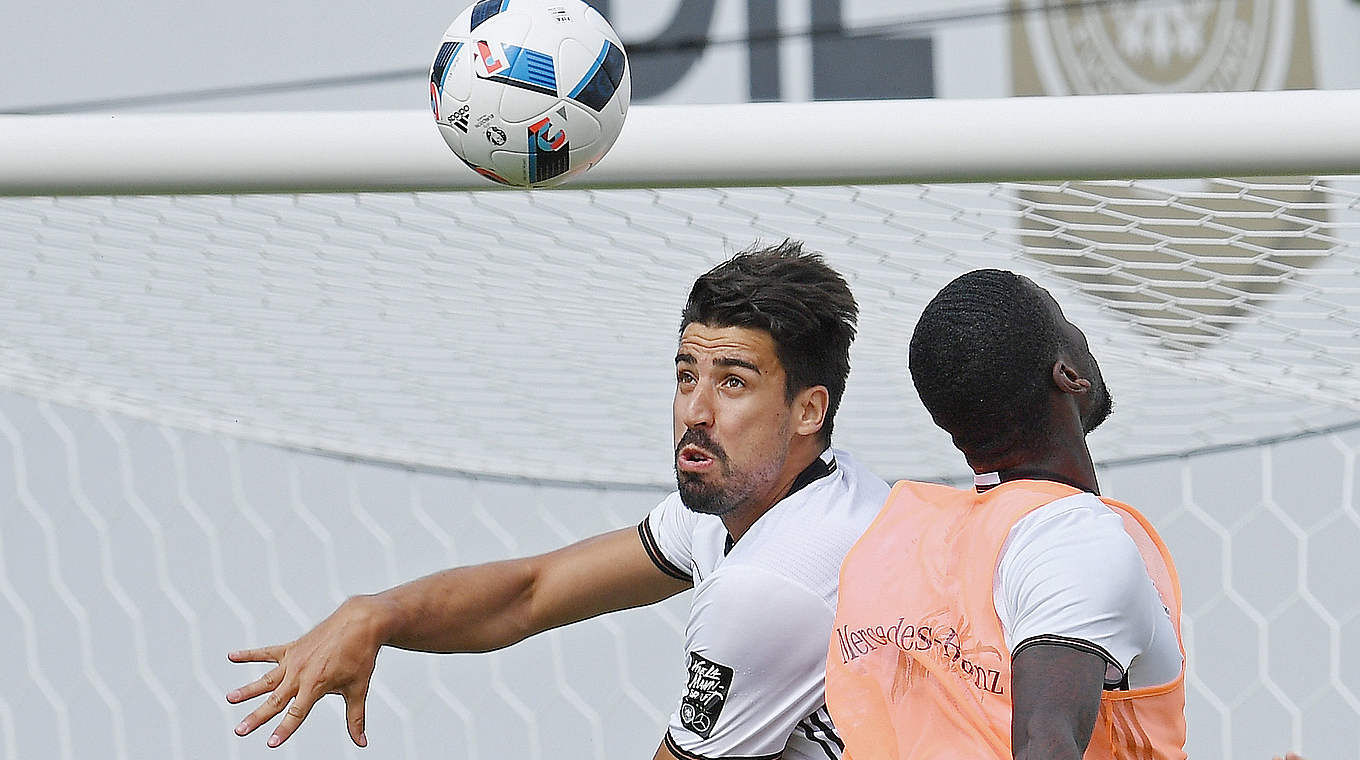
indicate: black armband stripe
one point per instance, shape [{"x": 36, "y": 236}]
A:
[
  {"x": 685, "y": 754},
  {"x": 653, "y": 550},
  {"x": 1081, "y": 645}
]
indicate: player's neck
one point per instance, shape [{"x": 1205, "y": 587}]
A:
[
  {"x": 802, "y": 454},
  {"x": 1061, "y": 461}
]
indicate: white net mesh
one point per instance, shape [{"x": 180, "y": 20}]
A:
[
  {"x": 528, "y": 335},
  {"x": 511, "y": 352},
  {"x": 134, "y": 555},
  {"x": 1265, "y": 541}
]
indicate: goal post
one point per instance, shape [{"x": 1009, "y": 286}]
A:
[
  {"x": 253, "y": 363},
  {"x": 754, "y": 144}
]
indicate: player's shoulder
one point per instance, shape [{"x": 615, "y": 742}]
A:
[
  {"x": 1077, "y": 536},
  {"x": 1081, "y": 515},
  {"x": 835, "y": 501},
  {"x": 672, "y": 512},
  {"x": 862, "y": 485},
  {"x": 805, "y": 538},
  {"x": 845, "y": 491}
]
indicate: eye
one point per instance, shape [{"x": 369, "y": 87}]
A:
[
  {"x": 732, "y": 381},
  {"x": 684, "y": 377}
]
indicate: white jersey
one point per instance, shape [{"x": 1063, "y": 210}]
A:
[
  {"x": 755, "y": 644},
  {"x": 1069, "y": 574}
]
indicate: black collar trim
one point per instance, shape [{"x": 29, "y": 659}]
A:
[{"x": 814, "y": 472}]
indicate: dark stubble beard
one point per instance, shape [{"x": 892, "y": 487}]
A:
[
  {"x": 731, "y": 489},
  {"x": 1104, "y": 401}
]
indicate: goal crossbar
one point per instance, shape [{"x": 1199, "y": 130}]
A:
[
  {"x": 485, "y": 374},
  {"x": 753, "y": 144}
]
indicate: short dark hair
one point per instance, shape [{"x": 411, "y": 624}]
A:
[
  {"x": 981, "y": 358},
  {"x": 803, "y": 304}
]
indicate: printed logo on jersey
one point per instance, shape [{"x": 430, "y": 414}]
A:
[
  {"x": 705, "y": 694},
  {"x": 954, "y": 646}
]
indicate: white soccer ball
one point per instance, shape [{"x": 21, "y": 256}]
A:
[{"x": 530, "y": 92}]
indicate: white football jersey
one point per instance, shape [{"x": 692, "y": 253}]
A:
[
  {"x": 761, "y": 617},
  {"x": 1068, "y": 572}
]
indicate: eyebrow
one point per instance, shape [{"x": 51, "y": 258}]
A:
[{"x": 726, "y": 361}]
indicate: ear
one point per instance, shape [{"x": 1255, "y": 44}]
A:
[
  {"x": 809, "y": 409},
  {"x": 1068, "y": 379}
]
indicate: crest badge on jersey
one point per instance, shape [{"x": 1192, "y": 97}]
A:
[{"x": 705, "y": 694}]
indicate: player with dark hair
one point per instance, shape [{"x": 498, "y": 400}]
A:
[
  {"x": 1026, "y": 617},
  {"x": 764, "y": 512},
  {"x": 981, "y": 359}
]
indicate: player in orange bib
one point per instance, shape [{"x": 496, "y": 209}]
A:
[{"x": 1027, "y": 617}]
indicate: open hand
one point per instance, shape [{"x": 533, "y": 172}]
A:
[{"x": 335, "y": 657}]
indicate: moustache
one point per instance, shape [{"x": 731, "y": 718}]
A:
[{"x": 700, "y": 438}]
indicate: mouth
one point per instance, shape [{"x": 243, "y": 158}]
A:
[{"x": 691, "y": 458}]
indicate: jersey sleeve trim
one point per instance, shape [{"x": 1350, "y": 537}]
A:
[
  {"x": 653, "y": 550},
  {"x": 684, "y": 754},
  {"x": 1121, "y": 682}
]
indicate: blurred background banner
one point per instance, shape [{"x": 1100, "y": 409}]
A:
[
  {"x": 83, "y": 55},
  {"x": 1088, "y": 48}
]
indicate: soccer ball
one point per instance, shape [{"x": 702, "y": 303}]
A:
[{"x": 530, "y": 92}]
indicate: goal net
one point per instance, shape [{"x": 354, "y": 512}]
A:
[{"x": 224, "y": 413}]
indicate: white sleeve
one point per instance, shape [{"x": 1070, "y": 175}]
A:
[
  {"x": 755, "y": 654},
  {"x": 667, "y": 534},
  {"x": 1069, "y": 574}
]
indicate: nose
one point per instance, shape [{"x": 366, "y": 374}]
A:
[{"x": 697, "y": 407}]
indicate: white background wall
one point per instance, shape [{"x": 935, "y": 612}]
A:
[{"x": 133, "y": 557}]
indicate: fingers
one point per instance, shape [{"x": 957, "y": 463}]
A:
[
  {"x": 269, "y": 708},
  {"x": 261, "y": 685},
  {"x": 263, "y": 654},
  {"x": 354, "y": 716},
  {"x": 293, "y": 717}
]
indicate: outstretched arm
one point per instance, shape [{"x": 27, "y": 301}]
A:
[
  {"x": 665, "y": 754},
  {"x": 467, "y": 609},
  {"x": 1055, "y": 693}
]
